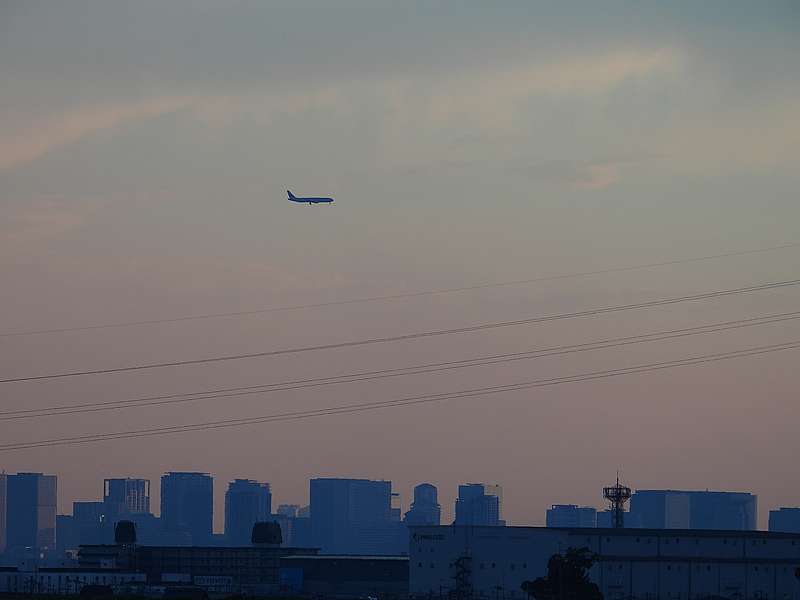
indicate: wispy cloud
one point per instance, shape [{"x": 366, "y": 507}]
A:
[
  {"x": 495, "y": 96},
  {"x": 36, "y": 139}
]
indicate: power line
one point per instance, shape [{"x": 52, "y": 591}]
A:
[
  {"x": 400, "y": 296},
  {"x": 413, "y": 336},
  {"x": 215, "y": 394},
  {"x": 408, "y": 401}
]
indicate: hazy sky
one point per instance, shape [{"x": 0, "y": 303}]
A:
[{"x": 145, "y": 150}]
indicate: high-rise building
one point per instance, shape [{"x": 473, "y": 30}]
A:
[
  {"x": 479, "y": 504},
  {"x": 425, "y": 509},
  {"x": 187, "y": 507},
  {"x": 89, "y": 522},
  {"x": 246, "y": 503},
  {"x": 285, "y": 516},
  {"x": 3, "y": 502},
  {"x": 571, "y": 515},
  {"x": 785, "y": 520},
  {"x": 679, "y": 509},
  {"x": 124, "y": 497},
  {"x": 31, "y": 512},
  {"x": 354, "y": 516}
]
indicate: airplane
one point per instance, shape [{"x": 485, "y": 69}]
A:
[{"x": 308, "y": 200}]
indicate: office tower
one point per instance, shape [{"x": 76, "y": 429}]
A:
[
  {"x": 571, "y": 515},
  {"x": 124, "y": 497},
  {"x": 479, "y": 504},
  {"x": 246, "y": 502},
  {"x": 66, "y": 534},
  {"x": 285, "y": 516},
  {"x": 354, "y": 516},
  {"x": 425, "y": 509},
  {"x": 187, "y": 507},
  {"x": 785, "y": 520},
  {"x": 3, "y": 502},
  {"x": 89, "y": 522},
  {"x": 677, "y": 509},
  {"x": 31, "y": 512}
]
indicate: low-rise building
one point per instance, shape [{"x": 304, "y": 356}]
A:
[
  {"x": 332, "y": 576},
  {"x": 493, "y": 562}
]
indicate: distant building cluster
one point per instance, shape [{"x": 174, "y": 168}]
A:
[
  {"x": 674, "y": 509},
  {"x": 343, "y": 517},
  {"x": 352, "y": 539}
]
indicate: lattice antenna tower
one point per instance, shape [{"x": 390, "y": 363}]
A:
[{"x": 617, "y": 495}]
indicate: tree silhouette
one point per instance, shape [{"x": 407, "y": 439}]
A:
[{"x": 567, "y": 578}]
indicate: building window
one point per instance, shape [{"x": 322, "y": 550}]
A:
[
  {"x": 419, "y": 564},
  {"x": 493, "y": 565}
]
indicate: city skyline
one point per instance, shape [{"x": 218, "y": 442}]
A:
[{"x": 762, "y": 515}]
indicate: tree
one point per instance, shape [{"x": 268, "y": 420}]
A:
[{"x": 567, "y": 578}]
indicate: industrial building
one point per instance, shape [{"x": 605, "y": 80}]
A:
[
  {"x": 493, "y": 562},
  {"x": 331, "y": 576},
  {"x": 254, "y": 568}
]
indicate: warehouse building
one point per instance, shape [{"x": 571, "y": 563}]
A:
[
  {"x": 332, "y": 576},
  {"x": 493, "y": 562}
]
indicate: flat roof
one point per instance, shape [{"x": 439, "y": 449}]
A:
[
  {"x": 626, "y": 531},
  {"x": 344, "y": 557},
  {"x": 153, "y": 547}
]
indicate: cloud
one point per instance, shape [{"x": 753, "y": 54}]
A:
[
  {"x": 494, "y": 97},
  {"x": 490, "y": 98},
  {"x": 39, "y": 138}
]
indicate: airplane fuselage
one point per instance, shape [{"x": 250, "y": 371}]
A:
[{"x": 309, "y": 199}]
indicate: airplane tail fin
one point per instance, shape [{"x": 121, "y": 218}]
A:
[{"x": 291, "y": 195}]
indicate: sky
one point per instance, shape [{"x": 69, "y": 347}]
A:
[{"x": 145, "y": 153}]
